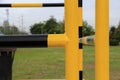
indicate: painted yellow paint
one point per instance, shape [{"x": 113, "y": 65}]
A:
[
  {"x": 71, "y": 29},
  {"x": 102, "y": 40},
  {"x": 55, "y": 40},
  {"x": 80, "y": 54},
  {"x": 27, "y": 5},
  {"x": 80, "y": 22},
  {"x": 80, "y": 59}
]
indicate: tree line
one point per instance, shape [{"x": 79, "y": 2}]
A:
[
  {"x": 115, "y": 35},
  {"x": 11, "y": 30},
  {"x": 52, "y": 26}
]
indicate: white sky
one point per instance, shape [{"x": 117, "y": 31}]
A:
[{"x": 33, "y": 15}]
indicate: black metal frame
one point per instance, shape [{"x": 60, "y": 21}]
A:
[{"x": 23, "y": 41}]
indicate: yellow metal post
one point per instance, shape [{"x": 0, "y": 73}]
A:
[
  {"x": 71, "y": 29},
  {"x": 102, "y": 40},
  {"x": 80, "y": 54}
]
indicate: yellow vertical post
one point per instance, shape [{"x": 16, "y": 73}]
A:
[
  {"x": 71, "y": 29},
  {"x": 80, "y": 54},
  {"x": 102, "y": 40}
]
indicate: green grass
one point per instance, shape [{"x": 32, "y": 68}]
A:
[
  {"x": 89, "y": 66},
  {"x": 115, "y": 63},
  {"x": 39, "y": 63},
  {"x": 49, "y": 63}
]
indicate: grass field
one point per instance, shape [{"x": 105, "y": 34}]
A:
[{"x": 50, "y": 63}]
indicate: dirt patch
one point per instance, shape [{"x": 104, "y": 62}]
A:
[
  {"x": 115, "y": 76},
  {"x": 89, "y": 66}
]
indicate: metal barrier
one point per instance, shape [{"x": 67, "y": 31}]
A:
[
  {"x": 30, "y": 41},
  {"x": 32, "y": 5},
  {"x": 102, "y": 40},
  {"x": 70, "y": 39}
]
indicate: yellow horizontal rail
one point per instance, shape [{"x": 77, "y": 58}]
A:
[
  {"x": 27, "y": 5},
  {"x": 33, "y": 5},
  {"x": 57, "y": 40}
]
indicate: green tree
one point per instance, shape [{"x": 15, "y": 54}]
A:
[
  {"x": 14, "y": 30},
  {"x": 51, "y": 26},
  {"x": 115, "y": 35},
  {"x": 37, "y": 28},
  {"x": 118, "y": 32},
  {"x": 1, "y": 29},
  {"x": 113, "y": 32},
  {"x": 87, "y": 29},
  {"x": 11, "y": 30},
  {"x": 60, "y": 28}
]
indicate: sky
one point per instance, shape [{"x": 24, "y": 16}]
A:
[{"x": 35, "y": 15}]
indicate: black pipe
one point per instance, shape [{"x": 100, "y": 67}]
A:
[
  {"x": 23, "y": 41},
  {"x": 53, "y": 4}
]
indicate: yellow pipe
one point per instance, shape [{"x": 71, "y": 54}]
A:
[
  {"x": 27, "y": 5},
  {"x": 102, "y": 40},
  {"x": 80, "y": 54},
  {"x": 55, "y": 40},
  {"x": 71, "y": 29}
]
